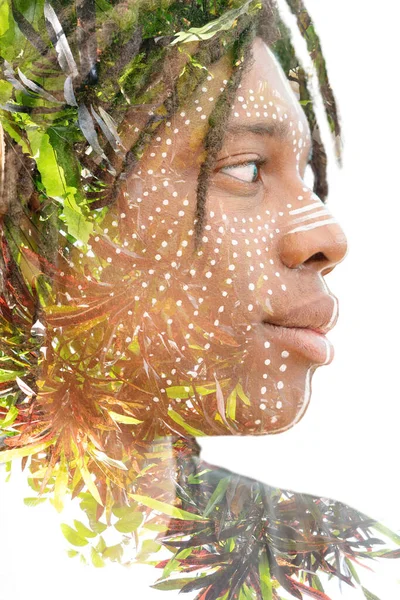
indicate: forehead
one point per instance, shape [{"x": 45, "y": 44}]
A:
[
  {"x": 264, "y": 86},
  {"x": 264, "y": 103},
  {"x": 264, "y": 100}
]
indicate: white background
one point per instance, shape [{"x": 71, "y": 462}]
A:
[{"x": 346, "y": 446}]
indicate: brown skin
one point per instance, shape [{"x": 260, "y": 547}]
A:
[{"x": 267, "y": 244}]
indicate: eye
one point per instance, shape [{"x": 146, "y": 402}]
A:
[{"x": 247, "y": 172}]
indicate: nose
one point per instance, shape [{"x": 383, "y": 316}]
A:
[{"x": 320, "y": 243}]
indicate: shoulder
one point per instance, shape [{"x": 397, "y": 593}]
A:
[
  {"x": 310, "y": 543},
  {"x": 299, "y": 501}
]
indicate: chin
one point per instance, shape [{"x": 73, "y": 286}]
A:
[{"x": 283, "y": 411}]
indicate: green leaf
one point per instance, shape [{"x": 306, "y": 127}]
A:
[
  {"x": 167, "y": 509},
  {"x": 98, "y": 526},
  {"x": 10, "y": 375},
  {"x": 134, "y": 347},
  {"x": 388, "y": 532},
  {"x": 224, "y": 23},
  {"x": 178, "y": 419},
  {"x": 10, "y": 417},
  {"x": 114, "y": 553},
  {"x": 72, "y": 553},
  {"x": 187, "y": 391},
  {"x": 52, "y": 174},
  {"x": 76, "y": 222},
  {"x": 101, "y": 545},
  {"x": 242, "y": 395},
  {"x": 265, "y": 576},
  {"x": 217, "y": 495},
  {"x": 172, "y": 584},
  {"x": 15, "y": 133},
  {"x": 196, "y": 479},
  {"x": 245, "y": 593},
  {"x": 97, "y": 560},
  {"x": 156, "y": 527},
  {"x": 352, "y": 570},
  {"x": 184, "y": 553},
  {"x": 73, "y": 536},
  {"x": 129, "y": 523},
  {"x": 83, "y": 530},
  {"x": 179, "y": 391},
  {"x": 121, "y": 511},
  {"x": 316, "y": 583},
  {"x": 369, "y": 595},
  {"x": 54, "y": 180},
  {"x": 174, "y": 564},
  {"x": 4, "y": 18},
  {"x": 34, "y": 501},
  {"x": 62, "y": 140},
  {"x": 88, "y": 504},
  {"x": 148, "y": 548}
]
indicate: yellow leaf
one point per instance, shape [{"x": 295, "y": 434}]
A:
[
  {"x": 7, "y": 455},
  {"x": 112, "y": 462},
  {"x": 231, "y": 405},
  {"x": 123, "y": 418},
  {"x": 87, "y": 478},
  {"x": 61, "y": 485},
  {"x": 167, "y": 509}
]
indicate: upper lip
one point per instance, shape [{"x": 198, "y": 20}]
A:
[{"x": 320, "y": 316}]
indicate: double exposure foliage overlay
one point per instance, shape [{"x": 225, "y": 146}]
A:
[{"x": 75, "y": 391}]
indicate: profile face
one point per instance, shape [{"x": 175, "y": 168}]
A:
[{"x": 227, "y": 335}]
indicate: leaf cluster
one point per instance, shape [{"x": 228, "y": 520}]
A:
[{"x": 260, "y": 542}]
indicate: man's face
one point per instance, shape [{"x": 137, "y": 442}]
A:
[{"x": 229, "y": 331}]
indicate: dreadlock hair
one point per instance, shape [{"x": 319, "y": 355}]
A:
[{"x": 217, "y": 121}]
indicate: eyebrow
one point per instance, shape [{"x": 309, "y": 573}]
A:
[
  {"x": 279, "y": 130},
  {"x": 273, "y": 129}
]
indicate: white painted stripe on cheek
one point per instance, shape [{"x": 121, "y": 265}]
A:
[
  {"x": 312, "y": 226},
  {"x": 315, "y": 214},
  {"x": 297, "y": 211}
]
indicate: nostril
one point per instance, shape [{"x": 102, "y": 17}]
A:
[{"x": 317, "y": 257}]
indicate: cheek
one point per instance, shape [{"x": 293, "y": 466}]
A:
[
  {"x": 160, "y": 195},
  {"x": 241, "y": 261},
  {"x": 242, "y": 251},
  {"x": 161, "y": 210}
]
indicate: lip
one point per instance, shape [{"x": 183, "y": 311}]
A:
[
  {"x": 320, "y": 316},
  {"x": 311, "y": 343}
]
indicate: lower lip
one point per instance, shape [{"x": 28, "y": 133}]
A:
[{"x": 313, "y": 345}]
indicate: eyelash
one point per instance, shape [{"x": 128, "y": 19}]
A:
[{"x": 258, "y": 164}]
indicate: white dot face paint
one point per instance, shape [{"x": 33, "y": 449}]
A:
[{"x": 228, "y": 323}]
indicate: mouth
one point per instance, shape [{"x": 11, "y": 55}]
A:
[{"x": 311, "y": 343}]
